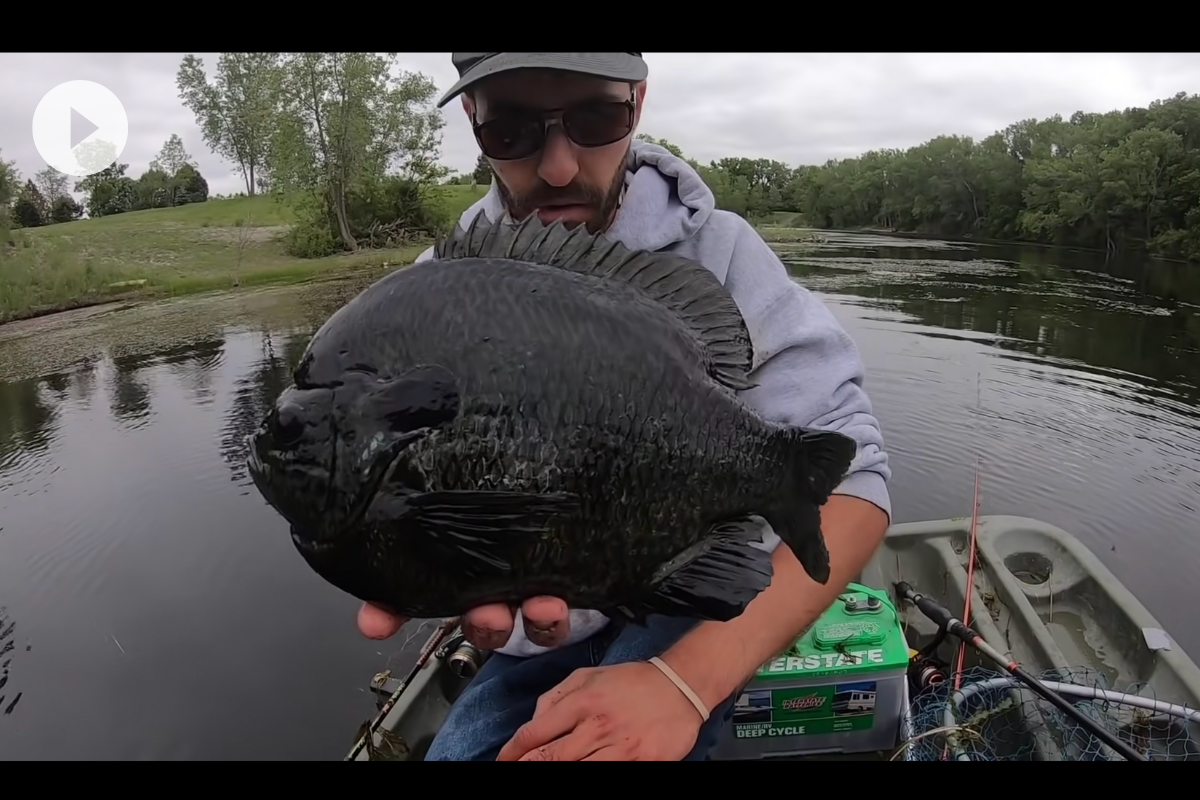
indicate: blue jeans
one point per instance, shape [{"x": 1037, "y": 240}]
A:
[{"x": 502, "y": 697}]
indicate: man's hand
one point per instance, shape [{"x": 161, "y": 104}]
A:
[
  {"x": 627, "y": 712},
  {"x": 547, "y": 623}
]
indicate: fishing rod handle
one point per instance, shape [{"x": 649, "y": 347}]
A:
[{"x": 935, "y": 611}]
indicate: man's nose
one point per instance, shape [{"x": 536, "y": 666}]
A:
[{"x": 558, "y": 166}]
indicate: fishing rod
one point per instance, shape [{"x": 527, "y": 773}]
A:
[
  {"x": 947, "y": 623},
  {"x": 974, "y": 539}
]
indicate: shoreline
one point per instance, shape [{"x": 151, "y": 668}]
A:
[
  {"x": 292, "y": 275},
  {"x": 298, "y": 272}
]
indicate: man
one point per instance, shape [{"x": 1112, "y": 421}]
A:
[{"x": 563, "y": 684}]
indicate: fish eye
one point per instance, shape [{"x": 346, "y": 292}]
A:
[{"x": 289, "y": 424}]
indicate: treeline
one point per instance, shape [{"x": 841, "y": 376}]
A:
[
  {"x": 352, "y": 144},
  {"x": 44, "y": 199},
  {"x": 172, "y": 179},
  {"x": 1119, "y": 180},
  {"x": 347, "y": 140},
  {"x": 41, "y": 200}
]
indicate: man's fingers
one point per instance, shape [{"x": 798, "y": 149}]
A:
[
  {"x": 573, "y": 682},
  {"x": 578, "y": 745},
  {"x": 375, "y": 623},
  {"x": 547, "y": 623},
  {"x": 547, "y": 620},
  {"x": 557, "y": 721},
  {"x": 607, "y": 754},
  {"x": 488, "y": 627}
]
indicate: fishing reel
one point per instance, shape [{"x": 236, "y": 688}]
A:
[
  {"x": 925, "y": 669},
  {"x": 463, "y": 658}
]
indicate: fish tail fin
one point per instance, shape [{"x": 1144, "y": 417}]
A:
[
  {"x": 686, "y": 287},
  {"x": 817, "y": 462},
  {"x": 714, "y": 579}
]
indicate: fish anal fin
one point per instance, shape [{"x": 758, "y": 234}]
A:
[
  {"x": 485, "y": 526},
  {"x": 715, "y": 579},
  {"x": 686, "y": 287}
]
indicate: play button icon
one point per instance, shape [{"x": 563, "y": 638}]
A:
[{"x": 80, "y": 127}]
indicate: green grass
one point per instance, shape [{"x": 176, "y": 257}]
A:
[
  {"x": 221, "y": 244},
  {"x": 777, "y": 234}
]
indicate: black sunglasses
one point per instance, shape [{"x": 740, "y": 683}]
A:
[{"x": 517, "y": 133}]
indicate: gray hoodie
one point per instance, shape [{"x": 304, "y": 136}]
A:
[{"x": 807, "y": 368}]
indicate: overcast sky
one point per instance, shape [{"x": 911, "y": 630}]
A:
[{"x": 794, "y": 107}]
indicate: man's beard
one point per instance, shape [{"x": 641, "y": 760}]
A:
[{"x": 601, "y": 203}]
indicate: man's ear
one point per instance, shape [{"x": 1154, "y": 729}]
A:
[{"x": 468, "y": 104}]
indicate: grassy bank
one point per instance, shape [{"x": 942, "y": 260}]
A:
[{"x": 221, "y": 244}]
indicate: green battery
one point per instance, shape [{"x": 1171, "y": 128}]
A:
[{"x": 839, "y": 689}]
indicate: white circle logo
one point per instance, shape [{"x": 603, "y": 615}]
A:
[{"x": 80, "y": 127}]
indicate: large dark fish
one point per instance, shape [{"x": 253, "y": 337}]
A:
[{"x": 541, "y": 411}]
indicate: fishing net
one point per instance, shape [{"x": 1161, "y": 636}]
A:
[{"x": 994, "y": 718}]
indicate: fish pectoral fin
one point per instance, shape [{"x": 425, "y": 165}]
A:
[
  {"x": 714, "y": 579},
  {"x": 484, "y": 525},
  {"x": 424, "y": 397}
]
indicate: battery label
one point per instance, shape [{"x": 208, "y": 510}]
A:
[{"x": 805, "y": 711}]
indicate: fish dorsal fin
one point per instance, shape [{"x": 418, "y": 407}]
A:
[{"x": 689, "y": 289}]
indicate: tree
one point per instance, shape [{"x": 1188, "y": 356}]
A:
[
  {"x": 673, "y": 149},
  {"x": 9, "y": 180},
  {"x": 483, "y": 171},
  {"x": 53, "y": 185},
  {"x": 1110, "y": 181},
  {"x": 65, "y": 209},
  {"x": 163, "y": 181},
  {"x": 30, "y": 209},
  {"x": 346, "y": 120},
  {"x": 236, "y": 111},
  {"x": 155, "y": 189},
  {"x": 191, "y": 186},
  {"x": 93, "y": 156},
  {"x": 173, "y": 157},
  {"x": 109, "y": 191}
]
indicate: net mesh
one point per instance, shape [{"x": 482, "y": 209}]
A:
[{"x": 996, "y": 719}]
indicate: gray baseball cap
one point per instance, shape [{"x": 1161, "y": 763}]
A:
[{"x": 473, "y": 67}]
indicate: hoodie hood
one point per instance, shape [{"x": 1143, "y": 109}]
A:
[{"x": 666, "y": 201}]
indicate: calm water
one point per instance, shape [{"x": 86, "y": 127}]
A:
[{"x": 154, "y": 606}]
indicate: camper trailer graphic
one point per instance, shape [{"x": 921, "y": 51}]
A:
[{"x": 853, "y": 701}]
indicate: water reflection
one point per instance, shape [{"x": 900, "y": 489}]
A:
[
  {"x": 254, "y": 394},
  {"x": 124, "y": 542},
  {"x": 1118, "y": 317},
  {"x": 144, "y": 569}
]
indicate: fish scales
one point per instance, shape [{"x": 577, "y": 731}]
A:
[{"x": 564, "y": 421}]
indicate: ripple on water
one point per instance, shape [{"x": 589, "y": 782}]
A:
[
  {"x": 851, "y": 272},
  {"x": 9, "y": 695}
]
